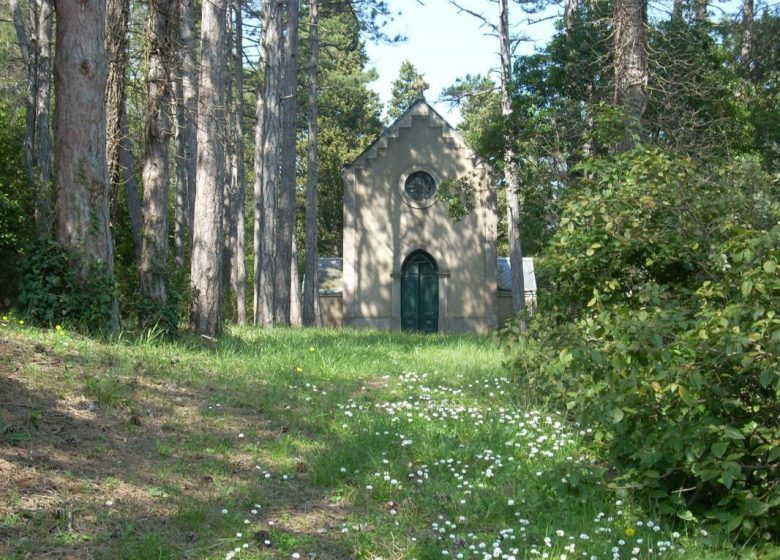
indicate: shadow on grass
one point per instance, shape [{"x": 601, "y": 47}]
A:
[{"x": 143, "y": 469}]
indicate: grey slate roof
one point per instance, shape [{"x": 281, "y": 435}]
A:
[
  {"x": 330, "y": 270},
  {"x": 329, "y": 273},
  {"x": 504, "y": 273}
]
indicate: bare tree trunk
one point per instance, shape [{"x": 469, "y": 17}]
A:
[
  {"x": 311, "y": 315},
  {"x": 747, "y": 34},
  {"x": 35, "y": 38},
  {"x": 119, "y": 150},
  {"x": 207, "y": 225},
  {"x": 296, "y": 316},
  {"x": 287, "y": 184},
  {"x": 510, "y": 170},
  {"x": 238, "y": 264},
  {"x": 82, "y": 224},
  {"x": 631, "y": 72},
  {"x": 570, "y": 7},
  {"x": 186, "y": 85},
  {"x": 43, "y": 214},
  {"x": 127, "y": 164},
  {"x": 228, "y": 224},
  {"x": 29, "y": 56},
  {"x": 267, "y": 163},
  {"x": 699, "y": 10},
  {"x": 161, "y": 20}
]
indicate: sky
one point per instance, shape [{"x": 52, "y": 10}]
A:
[{"x": 444, "y": 44}]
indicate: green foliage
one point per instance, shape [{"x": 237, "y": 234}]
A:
[
  {"x": 657, "y": 328},
  {"x": 51, "y": 293},
  {"x": 348, "y": 118},
  {"x": 404, "y": 90},
  {"x": 459, "y": 195}
]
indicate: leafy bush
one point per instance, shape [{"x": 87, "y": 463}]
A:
[
  {"x": 657, "y": 327},
  {"x": 50, "y": 292}
]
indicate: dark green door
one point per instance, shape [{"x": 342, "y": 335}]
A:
[{"x": 420, "y": 294}]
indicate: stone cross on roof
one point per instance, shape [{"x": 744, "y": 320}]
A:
[{"x": 420, "y": 85}]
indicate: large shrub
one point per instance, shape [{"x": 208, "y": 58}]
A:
[{"x": 657, "y": 326}]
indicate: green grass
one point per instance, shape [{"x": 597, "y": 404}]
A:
[{"x": 341, "y": 444}]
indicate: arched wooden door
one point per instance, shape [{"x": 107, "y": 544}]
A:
[{"x": 420, "y": 293}]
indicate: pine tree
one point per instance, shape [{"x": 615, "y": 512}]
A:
[{"x": 405, "y": 90}]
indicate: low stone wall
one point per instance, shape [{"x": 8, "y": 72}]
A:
[
  {"x": 504, "y": 305},
  {"x": 332, "y": 309}
]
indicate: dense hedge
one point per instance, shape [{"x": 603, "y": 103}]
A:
[{"x": 658, "y": 326}]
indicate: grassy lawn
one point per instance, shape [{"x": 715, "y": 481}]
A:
[{"x": 297, "y": 444}]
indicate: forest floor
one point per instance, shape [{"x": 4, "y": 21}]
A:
[{"x": 292, "y": 443}]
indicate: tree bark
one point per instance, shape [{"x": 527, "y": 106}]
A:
[
  {"x": 287, "y": 184},
  {"x": 82, "y": 220},
  {"x": 207, "y": 242},
  {"x": 127, "y": 165},
  {"x": 700, "y": 10},
  {"x": 118, "y": 146},
  {"x": 161, "y": 19},
  {"x": 510, "y": 170},
  {"x": 43, "y": 209},
  {"x": 296, "y": 314},
  {"x": 29, "y": 57},
  {"x": 747, "y": 34},
  {"x": 186, "y": 85},
  {"x": 570, "y": 7},
  {"x": 267, "y": 164},
  {"x": 311, "y": 281},
  {"x": 238, "y": 250},
  {"x": 631, "y": 73}
]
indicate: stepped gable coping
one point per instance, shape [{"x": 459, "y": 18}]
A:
[{"x": 420, "y": 107}]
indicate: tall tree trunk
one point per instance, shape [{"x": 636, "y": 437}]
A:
[
  {"x": 26, "y": 38},
  {"x": 127, "y": 165},
  {"x": 186, "y": 84},
  {"x": 34, "y": 38},
  {"x": 228, "y": 223},
  {"x": 310, "y": 312},
  {"x": 631, "y": 72},
  {"x": 287, "y": 205},
  {"x": 747, "y": 34},
  {"x": 296, "y": 313},
  {"x": 119, "y": 149},
  {"x": 510, "y": 170},
  {"x": 43, "y": 213},
  {"x": 267, "y": 163},
  {"x": 699, "y": 10},
  {"x": 158, "y": 57},
  {"x": 82, "y": 221},
  {"x": 570, "y": 7},
  {"x": 207, "y": 225},
  {"x": 238, "y": 264}
]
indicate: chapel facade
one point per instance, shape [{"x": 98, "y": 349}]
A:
[{"x": 406, "y": 263}]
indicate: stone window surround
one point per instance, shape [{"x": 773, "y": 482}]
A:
[{"x": 408, "y": 200}]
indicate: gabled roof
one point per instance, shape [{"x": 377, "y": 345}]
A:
[{"x": 419, "y": 107}]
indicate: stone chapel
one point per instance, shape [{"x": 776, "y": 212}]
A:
[{"x": 406, "y": 264}]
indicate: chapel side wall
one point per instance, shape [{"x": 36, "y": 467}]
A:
[{"x": 388, "y": 229}]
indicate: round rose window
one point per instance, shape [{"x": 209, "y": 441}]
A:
[{"x": 420, "y": 186}]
